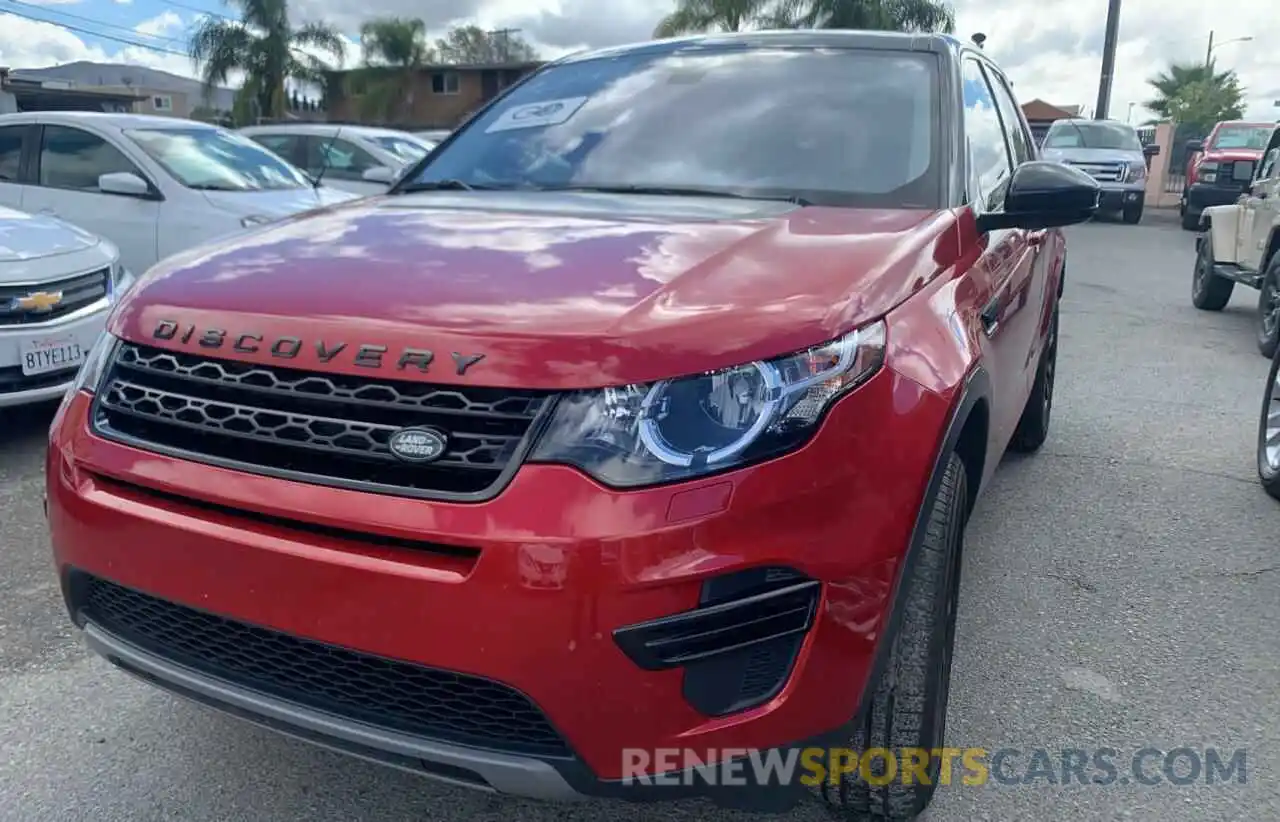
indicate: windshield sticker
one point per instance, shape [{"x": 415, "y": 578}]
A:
[{"x": 537, "y": 115}]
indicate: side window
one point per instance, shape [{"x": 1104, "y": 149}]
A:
[
  {"x": 284, "y": 145},
  {"x": 988, "y": 153},
  {"x": 346, "y": 160},
  {"x": 71, "y": 158},
  {"x": 11, "y": 153},
  {"x": 1019, "y": 141},
  {"x": 1267, "y": 172}
]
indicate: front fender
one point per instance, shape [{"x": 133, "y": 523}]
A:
[{"x": 1222, "y": 222}]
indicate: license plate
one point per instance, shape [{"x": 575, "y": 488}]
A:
[{"x": 50, "y": 354}]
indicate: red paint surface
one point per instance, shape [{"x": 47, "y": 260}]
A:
[{"x": 562, "y": 560}]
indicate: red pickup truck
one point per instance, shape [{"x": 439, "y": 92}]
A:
[{"x": 1220, "y": 167}]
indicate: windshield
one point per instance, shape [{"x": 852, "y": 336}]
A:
[
  {"x": 1086, "y": 134},
  {"x": 404, "y": 148},
  {"x": 1245, "y": 137},
  {"x": 216, "y": 160},
  {"x": 829, "y": 127}
]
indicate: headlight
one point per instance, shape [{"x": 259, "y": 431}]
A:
[
  {"x": 677, "y": 429},
  {"x": 1208, "y": 172},
  {"x": 1137, "y": 170},
  {"x": 254, "y": 220},
  {"x": 94, "y": 365}
]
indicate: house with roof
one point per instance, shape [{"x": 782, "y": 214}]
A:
[{"x": 1040, "y": 115}]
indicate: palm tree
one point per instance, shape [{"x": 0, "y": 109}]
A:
[
  {"x": 395, "y": 49},
  {"x": 1173, "y": 84},
  {"x": 712, "y": 15},
  {"x": 736, "y": 15},
  {"x": 267, "y": 48},
  {"x": 878, "y": 15}
]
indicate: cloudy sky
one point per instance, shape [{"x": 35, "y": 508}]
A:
[{"x": 1051, "y": 49}]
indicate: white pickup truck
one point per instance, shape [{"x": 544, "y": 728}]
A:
[{"x": 1238, "y": 243}]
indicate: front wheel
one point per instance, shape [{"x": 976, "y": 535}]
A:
[
  {"x": 1269, "y": 433},
  {"x": 906, "y": 709},
  {"x": 1190, "y": 221},
  {"x": 1133, "y": 214},
  {"x": 1269, "y": 309},
  {"x": 1209, "y": 292}
]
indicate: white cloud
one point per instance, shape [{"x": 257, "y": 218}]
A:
[
  {"x": 1050, "y": 48},
  {"x": 160, "y": 26}
]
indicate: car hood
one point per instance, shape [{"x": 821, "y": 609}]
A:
[
  {"x": 280, "y": 203},
  {"x": 26, "y": 236},
  {"x": 1093, "y": 155},
  {"x": 556, "y": 290},
  {"x": 1230, "y": 155}
]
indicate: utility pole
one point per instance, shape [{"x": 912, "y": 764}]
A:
[
  {"x": 1108, "y": 59},
  {"x": 1208, "y": 54}
]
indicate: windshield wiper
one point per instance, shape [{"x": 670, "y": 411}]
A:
[{"x": 678, "y": 191}]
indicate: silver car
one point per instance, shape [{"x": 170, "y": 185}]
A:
[{"x": 1111, "y": 153}]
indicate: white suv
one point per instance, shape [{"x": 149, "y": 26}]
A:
[
  {"x": 1241, "y": 244},
  {"x": 359, "y": 159}
]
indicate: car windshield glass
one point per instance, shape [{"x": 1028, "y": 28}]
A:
[
  {"x": 828, "y": 127},
  {"x": 217, "y": 160},
  {"x": 1243, "y": 137},
  {"x": 1070, "y": 134},
  {"x": 409, "y": 151}
]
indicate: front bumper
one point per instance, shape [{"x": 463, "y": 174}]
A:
[
  {"x": 1118, "y": 198},
  {"x": 525, "y": 594},
  {"x": 19, "y": 389},
  {"x": 1201, "y": 196}
]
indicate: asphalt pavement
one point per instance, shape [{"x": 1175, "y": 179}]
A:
[{"x": 1121, "y": 590}]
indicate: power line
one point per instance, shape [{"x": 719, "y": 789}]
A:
[
  {"x": 93, "y": 21},
  {"x": 91, "y": 33}
]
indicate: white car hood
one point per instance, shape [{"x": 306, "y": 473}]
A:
[
  {"x": 26, "y": 236},
  {"x": 281, "y": 203}
]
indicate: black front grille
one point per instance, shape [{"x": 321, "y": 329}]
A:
[
  {"x": 1235, "y": 174},
  {"x": 12, "y": 380},
  {"x": 387, "y": 693},
  {"x": 330, "y": 429},
  {"x": 74, "y": 293}
]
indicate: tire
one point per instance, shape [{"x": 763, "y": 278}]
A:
[
  {"x": 1269, "y": 309},
  {"x": 1133, "y": 215},
  {"x": 907, "y": 706},
  {"x": 1209, "y": 292},
  {"x": 1033, "y": 425},
  {"x": 1190, "y": 222},
  {"x": 1269, "y": 466}
]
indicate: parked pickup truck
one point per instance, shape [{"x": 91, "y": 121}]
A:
[
  {"x": 1239, "y": 244},
  {"x": 1220, "y": 167}
]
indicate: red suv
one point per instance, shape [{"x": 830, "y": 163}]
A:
[{"x": 645, "y": 414}]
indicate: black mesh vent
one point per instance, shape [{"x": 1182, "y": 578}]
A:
[{"x": 386, "y": 693}]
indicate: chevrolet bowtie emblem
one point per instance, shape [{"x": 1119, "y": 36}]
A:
[{"x": 39, "y": 302}]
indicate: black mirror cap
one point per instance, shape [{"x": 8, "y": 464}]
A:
[
  {"x": 1195, "y": 145},
  {"x": 1151, "y": 150},
  {"x": 1044, "y": 194}
]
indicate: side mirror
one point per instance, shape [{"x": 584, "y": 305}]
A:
[
  {"x": 124, "y": 183},
  {"x": 378, "y": 174},
  {"x": 1044, "y": 194},
  {"x": 1151, "y": 150},
  {"x": 1194, "y": 146}
]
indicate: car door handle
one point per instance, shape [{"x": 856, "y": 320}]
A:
[{"x": 49, "y": 211}]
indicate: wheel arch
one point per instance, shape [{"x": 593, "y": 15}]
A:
[{"x": 966, "y": 435}]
